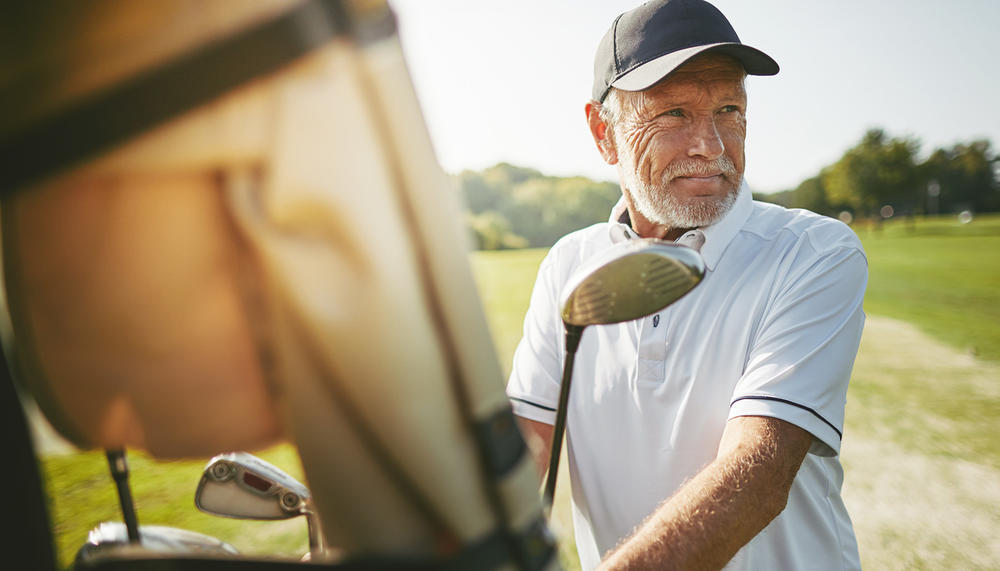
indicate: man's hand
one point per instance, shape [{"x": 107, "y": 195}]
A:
[{"x": 725, "y": 505}]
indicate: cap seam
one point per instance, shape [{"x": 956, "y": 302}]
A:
[
  {"x": 688, "y": 32},
  {"x": 614, "y": 44}
]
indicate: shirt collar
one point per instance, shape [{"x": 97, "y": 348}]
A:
[{"x": 717, "y": 236}]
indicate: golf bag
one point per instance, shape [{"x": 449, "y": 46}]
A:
[{"x": 250, "y": 239}]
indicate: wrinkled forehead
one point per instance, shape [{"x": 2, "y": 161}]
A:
[
  {"x": 713, "y": 71},
  {"x": 707, "y": 67},
  {"x": 706, "y": 77}
]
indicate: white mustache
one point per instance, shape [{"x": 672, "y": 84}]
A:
[{"x": 694, "y": 168}]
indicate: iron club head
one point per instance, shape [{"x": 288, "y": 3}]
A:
[{"x": 240, "y": 485}]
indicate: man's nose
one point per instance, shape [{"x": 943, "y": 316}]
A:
[{"x": 705, "y": 139}]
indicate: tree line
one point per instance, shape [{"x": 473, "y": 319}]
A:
[
  {"x": 515, "y": 207},
  {"x": 882, "y": 176}
]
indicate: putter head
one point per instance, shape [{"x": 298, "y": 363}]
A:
[
  {"x": 111, "y": 538},
  {"x": 630, "y": 280},
  {"x": 240, "y": 485}
]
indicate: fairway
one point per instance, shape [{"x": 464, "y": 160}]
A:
[
  {"x": 921, "y": 458},
  {"x": 942, "y": 276},
  {"x": 505, "y": 279}
]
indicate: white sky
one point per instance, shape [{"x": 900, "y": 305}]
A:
[{"x": 506, "y": 80}]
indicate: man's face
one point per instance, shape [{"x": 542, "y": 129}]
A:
[{"x": 680, "y": 143}]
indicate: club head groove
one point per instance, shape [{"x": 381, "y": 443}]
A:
[{"x": 630, "y": 280}]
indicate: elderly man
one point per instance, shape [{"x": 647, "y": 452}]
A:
[{"x": 706, "y": 434}]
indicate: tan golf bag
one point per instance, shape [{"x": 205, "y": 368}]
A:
[{"x": 223, "y": 225}]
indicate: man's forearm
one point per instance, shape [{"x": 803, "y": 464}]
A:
[
  {"x": 724, "y": 506},
  {"x": 538, "y": 436}
]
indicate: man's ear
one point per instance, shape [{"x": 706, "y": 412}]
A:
[{"x": 601, "y": 132}]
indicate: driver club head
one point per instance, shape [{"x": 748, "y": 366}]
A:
[{"x": 630, "y": 280}]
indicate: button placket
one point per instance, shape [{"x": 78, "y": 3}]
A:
[
  {"x": 652, "y": 354},
  {"x": 651, "y": 357}
]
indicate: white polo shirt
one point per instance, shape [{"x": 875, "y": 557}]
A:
[{"x": 772, "y": 330}]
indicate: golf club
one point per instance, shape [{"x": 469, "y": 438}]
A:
[
  {"x": 240, "y": 485},
  {"x": 119, "y": 473},
  {"x": 627, "y": 281},
  {"x": 111, "y": 538}
]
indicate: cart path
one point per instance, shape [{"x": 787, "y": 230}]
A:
[{"x": 917, "y": 511}]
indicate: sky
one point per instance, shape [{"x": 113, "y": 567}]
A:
[{"x": 508, "y": 80}]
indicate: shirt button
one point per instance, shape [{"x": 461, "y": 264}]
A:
[{"x": 656, "y": 320}]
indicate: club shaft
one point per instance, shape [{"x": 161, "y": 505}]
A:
[
  {"x": 317, "y": 543},
  {"x": 119, "y": 472},
  {"x": 573, "y": 333}
]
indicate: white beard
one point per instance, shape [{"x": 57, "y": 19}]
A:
[{"x": 660, "y": 205}]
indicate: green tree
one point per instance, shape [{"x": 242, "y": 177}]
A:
[
  {"x": 491, "y": 188},
  {"x": 881, "y": 170},
  {"x": 492, "y": 231},
  {"x": 876, "y": 171},
  {"x": 961, "y": 177},
  {"x": 810, "y": 194},
  {"x": 513, "y": 207},
  {"x": 544, "y": 209}
]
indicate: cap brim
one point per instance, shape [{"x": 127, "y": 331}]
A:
[{"x": 754, "y": 61}]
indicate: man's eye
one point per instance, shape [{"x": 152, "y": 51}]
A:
[
  {"x": 673, "y": 113},
  {"x": 730, "y": 109}
]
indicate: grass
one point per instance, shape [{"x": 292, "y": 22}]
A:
[
  {"x": 505, "y": 279},
  {"x": 942, "y": 276},
  {"x": 939, "y": 275}
]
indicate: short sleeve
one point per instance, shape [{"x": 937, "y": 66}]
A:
[
  {"x": 800, "y": 363},
  {"x": 533, "y": 387}
]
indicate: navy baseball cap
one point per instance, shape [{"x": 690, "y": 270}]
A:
[{"x": 647, "y": 43}]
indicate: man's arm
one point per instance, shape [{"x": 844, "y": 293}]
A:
[
  {"x": 538, "y": 435},
  {"x": 725, "y": 505}
]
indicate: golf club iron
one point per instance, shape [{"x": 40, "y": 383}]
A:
[
  {"x": 627, "y": 281},
  {"x": 240, "y": 485}
]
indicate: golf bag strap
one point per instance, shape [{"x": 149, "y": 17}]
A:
[
  {"x": 535, "y": 549},
  {"x": 500, "y": 438},
  {"x": 123, "y": 111}
]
